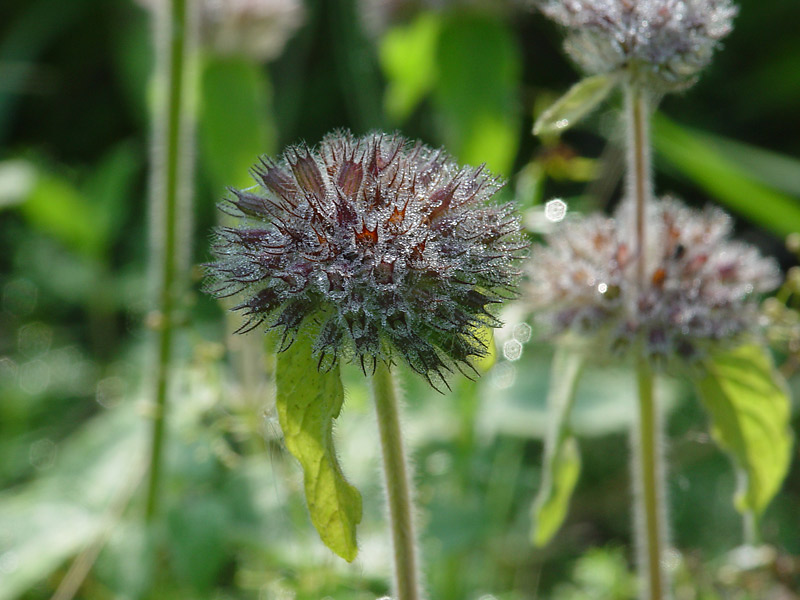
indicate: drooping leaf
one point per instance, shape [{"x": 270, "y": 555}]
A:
[
  {"x": 580, "y": 100},
  {"x": 308, "y": 401},
  {"x": 408, "y": 59},
  {"x": 476, "y": 97},
  {"x": 749, "y": 407},
  {"x": 236, "y": 125},
  {"x": 562, "y": 462},
  {"x": 725, "y": 178}
]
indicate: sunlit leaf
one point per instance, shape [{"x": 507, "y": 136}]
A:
[
  {"x": 308, "y": 401},
  {"x": 562, "y": 462},
  {"x": 408, "y": 59},
  {"x": 236, "y": 126},
  {"x": 476, "y": 94},
  {"x": 749, "y": 407},
  {"x": 725, "y": 178},
  {"x": 580, "y": 100}
]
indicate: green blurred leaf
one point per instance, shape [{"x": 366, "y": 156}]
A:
[
  {"x": 476, "y": 92},
  {"x": 56, "y": 207},
  {"x": 408, "y": 59},
  {"x": 308, "y": 401},
  {"x": 49, "y": 520},
  {"x": 580, "y": 100},
  {"x": 562, "y": 462},
  {"x": 109, "y": 189},
  {"x": 236, "y": 125},
  {"x": 198, "y": 528},
  {"x": 724, "y": 178},
  {"x": 749, "y": 406}
]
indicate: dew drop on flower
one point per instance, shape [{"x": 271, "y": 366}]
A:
[
  {"x": 555, "y": 210},
  {"x": 602, "y": 288}
]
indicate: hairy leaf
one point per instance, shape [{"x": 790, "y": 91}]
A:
[
  {"x": 749, "y": 408},
  {"x": 562, "y": 462},
  {"x": 308, "y": 401},
  {"x": 580, "y": 100}
]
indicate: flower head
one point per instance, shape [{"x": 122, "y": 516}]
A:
[
  {"x": 668, "y": 40},
  {"x": 388, "y": 248},
  {"x": 700, "y": 290}
]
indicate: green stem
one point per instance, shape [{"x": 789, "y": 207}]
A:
[
  {"x": 649, "y": 492},
  {"x": 639, "y": 171},
  {"x": 650, "y": 509},
  {"x": 168, "y": 134},
  {"x": 398, "y": 488}
]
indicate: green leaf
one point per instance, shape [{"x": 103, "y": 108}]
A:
[
  {"x": 236, "y": 125},
  {"x": 562, "y": 462},
  {"x": 724, "y": 177},
  {"x": 476, "y": 94},
  {"x": 749, "y": 406},
  {"x": 408, "y": 59},
  {"x": 580, "y": 100},
  {"x": 308, "y": 401}
]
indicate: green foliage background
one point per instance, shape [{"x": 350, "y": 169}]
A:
[{"x": 75, "y": 354}]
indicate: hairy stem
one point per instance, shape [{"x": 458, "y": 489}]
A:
[
  {"x": 649, "y": 492},
  {"x": 169, "y": 165},
  {"x": 398, "y": 488},
  {"x": 650, "y": 509},
  {"x": 639, "y": 172}
]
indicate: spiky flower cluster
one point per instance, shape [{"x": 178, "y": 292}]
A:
[
  {"x": 669, "y": 41},
  {"x": 699, "y": 292},
  {"x": 382, "y": 246}
]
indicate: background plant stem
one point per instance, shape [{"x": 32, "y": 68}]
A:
[
  {"x": 398, "y": 489},
  {"x": 649, "y": 496},
  {"x": 648, "y": 476},
  {"x": 167, "y": 162}
]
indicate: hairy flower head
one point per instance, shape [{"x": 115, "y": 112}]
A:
[
  {"x": 700, "y": 291},
  {"x": 387, "y": 247},
  {"x": 669, "y": 41}
]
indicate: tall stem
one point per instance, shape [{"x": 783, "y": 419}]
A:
[
  {"x": 639, "y": 171},
  {"x": 169, "y": 165},
  {"x": 650, "y": 521},
  {"x": 398, "y": 488},
  {"x": 649, "y": 490}
]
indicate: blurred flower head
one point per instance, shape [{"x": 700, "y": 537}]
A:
[
  {"x": 383, "y": 247},
  {"x": 666, "y": 41},
  {"x": 700, "y": 293},
  {"x": 258, "y": 29}
]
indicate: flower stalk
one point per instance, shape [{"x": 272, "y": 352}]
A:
[
  {"x": 170, "y": 188},
  {"x": 398, "y": 489},
  {"x": 650, "y": 526}
]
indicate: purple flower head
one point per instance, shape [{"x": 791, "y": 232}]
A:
[
  {"x": 384, "y": 247},
  {"x": 668, "y": 41},
  {"x": 700, "y": 293}
]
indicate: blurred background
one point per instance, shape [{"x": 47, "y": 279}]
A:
[{"x": 76, "y": 355}]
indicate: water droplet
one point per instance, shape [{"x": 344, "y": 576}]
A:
[
  {"x": 512, "y": 350},
  {"x": 42, "y": 454},
  {"x": 503, "y": 375},
  {"x": 34, "y": 377},
  {"x": 522, "y": 332},
  {"x": 562, "y": 123},
  {"x": 555, "y": 210},
  {"x": 9, "y": 562},
  {"x": 602, "y": 288}
]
